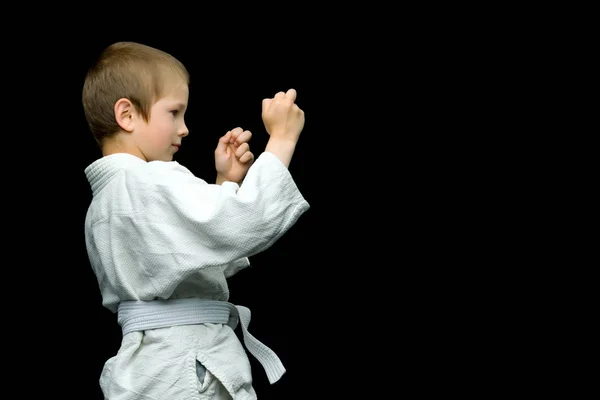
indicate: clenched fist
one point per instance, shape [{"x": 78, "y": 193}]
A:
[
  {"x": 233, "y": 157},
  {"x": 282, "y": 117}
]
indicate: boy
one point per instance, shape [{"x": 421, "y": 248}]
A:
[{"x": 162, "y": 242}]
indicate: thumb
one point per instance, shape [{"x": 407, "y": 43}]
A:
[
  {"x": 223, "y": 142},
  {"x": 265, "y": 105},
  {"x": 291, "y": 94}
]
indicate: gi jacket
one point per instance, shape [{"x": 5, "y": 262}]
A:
[{"x": 153, "y": 231}]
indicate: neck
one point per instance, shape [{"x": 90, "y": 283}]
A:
[{"x": 114, "y": 146}]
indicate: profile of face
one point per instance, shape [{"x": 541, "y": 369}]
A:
[{"x": 160, "y": 137}]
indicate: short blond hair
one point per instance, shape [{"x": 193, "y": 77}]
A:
[{"x": 128, "y": 70}]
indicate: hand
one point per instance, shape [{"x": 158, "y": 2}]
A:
[
  {"x": 283, "y": 119},
  {"x": 233, "y": 157}
]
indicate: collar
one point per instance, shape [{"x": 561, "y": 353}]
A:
[{"x": 102, "y": 170}]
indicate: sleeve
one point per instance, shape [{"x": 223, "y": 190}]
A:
[
  {"x": 234, "y": 267},
  {"x": 224, "y": 223}
]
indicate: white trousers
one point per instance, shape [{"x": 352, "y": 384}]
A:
[{"x": 210, "y": 387}]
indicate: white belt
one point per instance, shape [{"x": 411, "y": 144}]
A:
[{"x": 143, "y": 315}]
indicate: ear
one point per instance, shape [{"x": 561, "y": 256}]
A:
[{"x": 125, "y": 114}]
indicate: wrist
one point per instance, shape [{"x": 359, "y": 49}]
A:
[
  {"x": 220, "y": 179},
  {"x": 282, "y": 148}
]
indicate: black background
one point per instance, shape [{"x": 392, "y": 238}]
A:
[{"x": 361, "y": 296}]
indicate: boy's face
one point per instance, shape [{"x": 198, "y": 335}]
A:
[{"x": 161, "y": 137}]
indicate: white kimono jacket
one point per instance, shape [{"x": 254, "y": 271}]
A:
[{"x": 155, "y": 231}]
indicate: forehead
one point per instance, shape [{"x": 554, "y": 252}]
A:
[{"x": 175, "y": 91}]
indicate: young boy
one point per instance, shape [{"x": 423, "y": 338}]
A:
[{"x": 162, "y": 241}]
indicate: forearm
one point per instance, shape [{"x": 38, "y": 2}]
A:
[
  {"x": 220, "y": 179},
  {"x": 282, "y": 149},
  {"x": 247, "y": 219}
]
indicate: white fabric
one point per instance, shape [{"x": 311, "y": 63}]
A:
[
  {"x": 143, "y": 315},
  {"x": 155, "y": 231}
]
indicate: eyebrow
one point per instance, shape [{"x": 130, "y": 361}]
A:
[{"x": 181, "y": 106}]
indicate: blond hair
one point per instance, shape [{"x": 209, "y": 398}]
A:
[{"x": 128, "y": 70}]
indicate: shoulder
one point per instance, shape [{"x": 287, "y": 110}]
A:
[{"x": 161, "y": 173}]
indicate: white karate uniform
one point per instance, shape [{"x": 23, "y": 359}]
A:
[{"x": 154, "y": 231}]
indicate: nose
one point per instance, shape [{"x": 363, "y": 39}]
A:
[{"x": 184, "y": 131}]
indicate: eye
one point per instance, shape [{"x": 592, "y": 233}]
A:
[{"x": 175, "y": 112}]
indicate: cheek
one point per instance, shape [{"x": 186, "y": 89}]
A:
[{"x": 163, "y": 130}]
